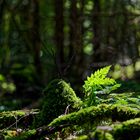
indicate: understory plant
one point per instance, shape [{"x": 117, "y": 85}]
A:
[{"x": 98, "y": 83}]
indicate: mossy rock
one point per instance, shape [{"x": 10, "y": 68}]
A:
[{"x": 59, "y": 99}]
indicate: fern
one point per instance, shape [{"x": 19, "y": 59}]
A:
[{"x": 98, "y": 83}]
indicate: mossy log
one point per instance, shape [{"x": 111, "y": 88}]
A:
[
  {"x": 94, "y": 114},
  {"x": 91, "y": 114},
  {"x": 14, "y": 135},
  {"x": 34, "y": 134},
  {"x": 128, "y": 130},
  {"x": 22, "y": 118}
]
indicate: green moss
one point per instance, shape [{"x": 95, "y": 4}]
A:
[
  {"x": 101, "y": 135},
  {"x": 23, "y": 118},
  {"x": 95, "y": 114},
  {"x": 83, "y": 137},
  {"x": 9, "y": 117},
  {"x": 58, "y": 96},
  {"x": 23, "y": 136},
  {"x": 128, "y": 130}
]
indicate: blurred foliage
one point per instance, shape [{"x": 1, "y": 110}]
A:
[
  {"x": 44, "y": 40},
  {"x": 6, "y": 86},
  {"x": 130, "y": 85}
]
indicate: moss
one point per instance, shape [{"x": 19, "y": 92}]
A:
[
  {"x": 95, "y": 114},
  {"x": 101, "y": 135},
  {"x": 9, "y": 117},
  {"x": 23, "y": 136},
  {"x": 83, "y": 137},
  {"x": 23, "y": 118},
  {"x": 58, "y": 96},
  {"x": 128, "y": 130}
]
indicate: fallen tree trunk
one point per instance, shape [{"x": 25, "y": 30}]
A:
[
  {"x": 19, "y": 118},
  {"x": 97, "y": 113},
  {"x": 91, "y": 114},
  {"x": 127, "y": 130}
]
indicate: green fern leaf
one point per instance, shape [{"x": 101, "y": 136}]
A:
[{"x": 99, "y": 82}]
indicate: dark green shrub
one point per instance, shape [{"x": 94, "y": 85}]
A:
[{"x": 59, "y": 99}]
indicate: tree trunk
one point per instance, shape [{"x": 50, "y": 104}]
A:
[
  {"x": 59, "y": 35},
  {"x": 2, "y": 6},
  {"x": 76, "y": 34},
  {"x": 96, "y": 32},
  {"x": 35, "y": 34}
]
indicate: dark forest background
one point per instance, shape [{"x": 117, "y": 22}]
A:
[{"x": 41, "y": 40}]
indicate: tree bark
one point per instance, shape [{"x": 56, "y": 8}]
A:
[
  {"x": 59, "y": 35},
  {"x": 96, "y": 32},
  {"x": 35, "y": 34},
  {"x": 2, "y": 6},
  {"x": 76, "y": 36}
]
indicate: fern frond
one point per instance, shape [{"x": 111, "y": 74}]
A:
[
  {"x": 102, "y": 73},
  {"x": 98, "y": 83}
]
